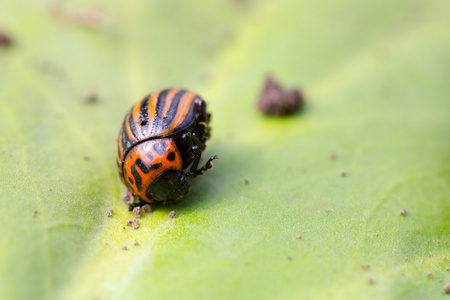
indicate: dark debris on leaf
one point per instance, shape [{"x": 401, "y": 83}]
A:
[
  {"x": 276, "y": 101},
  {"x": 146, "y": 208},
  {"x": 136, "y": 211},
  {"x": 172, "y": 214},
  {"x": 135, "y": 223},
  {"x": 128, "y": 197},
  {"x": 5, "y": 39}
]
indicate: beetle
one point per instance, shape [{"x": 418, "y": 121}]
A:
[{"x": 160, "y": 145}]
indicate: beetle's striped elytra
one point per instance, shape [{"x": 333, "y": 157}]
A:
[{"x": 162, "y": 135}]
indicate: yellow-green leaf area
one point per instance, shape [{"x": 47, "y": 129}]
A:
[{"x": 372, "y": 139}]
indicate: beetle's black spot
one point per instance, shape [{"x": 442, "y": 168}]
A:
[
  {"x": 130, "y": 180},
  {"x": 155, "y": 166},
  {"x": 150, "y": 155},
  {"x": 160, "y": 148},
  {"x": 136, "y": 176},
  {"x": 146, "y": 168},
  {"x": 171, "y": 156}
]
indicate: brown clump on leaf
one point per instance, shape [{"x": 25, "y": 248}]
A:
[
  {"x": 446, "y": 288},
  {"x": 136, "y": 211},
  {"x": 135, "y": 223},
  {"x": 109, "y": 212},
  {"x": 172, "y": 214},
  {"x": 5, "y": 40},
  {"x": 128, "y": 197},
  {"x": 402, "y": 212},
  {"x": 276, "y": 101},
  {"x": 146, "y": 207}
]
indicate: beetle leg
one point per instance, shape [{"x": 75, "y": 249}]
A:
[{"x": 194, "y": 172}]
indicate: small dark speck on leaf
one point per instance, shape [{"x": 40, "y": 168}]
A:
[
  {"x": 172, "y": 214},
  {"x": 91, "y": 97},
  {"x": 406, "y": 258},
  {"x": 246, "y": 181},
  {"x": 125, "y": 247},
  {"x": 84, "y": 17},
  {"x": 136, "y": 243},
  {"x": 128, "y": 223},
  {"x": 440, "y": 280},
  {"x": 332, "y": 156},
  {"x": 50, "y": 190},
  {"x": 446, "y": 288},
  {"x": 5, "y": 39},
  {"x": 430, "y": 255},
  {"x": 290, "y": 258},
  {"x": 343, "y": 173},
  {"x": 370, "y": 280},
  {"x": 429, "y": 274},
  {"x": 298, "y": 237},
  {"x": 365, "y": 266},
  {"x": 35, "y": 213},
  {"x": 85, "y": 157},
  {"x": 109, "y": 212},
  {"x": 402, "y": 212},
  {"x": 123, "y": 227},
  {"x": 276, "y": 101}
]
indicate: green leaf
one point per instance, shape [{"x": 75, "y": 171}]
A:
[{"x": 375, "y": 75}]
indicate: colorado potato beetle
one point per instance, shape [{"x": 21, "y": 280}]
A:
[{"x": 160, "y": 145}]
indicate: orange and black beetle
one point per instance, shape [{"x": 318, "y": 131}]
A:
[{"x": 161, "y": 136}]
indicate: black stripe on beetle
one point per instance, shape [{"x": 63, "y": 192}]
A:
[
  {"x": 188, "y": 118},
  {"x": 132, "y": 124},
  {"x": 143, "y": 110},
  {"x": 172, "y": 112},
  {"x": 158, "y": 111}
]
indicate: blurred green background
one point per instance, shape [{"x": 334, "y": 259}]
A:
[{"x": 376, "y": 80}]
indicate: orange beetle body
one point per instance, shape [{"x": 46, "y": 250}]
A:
[{"x": 161, "y": 136}]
